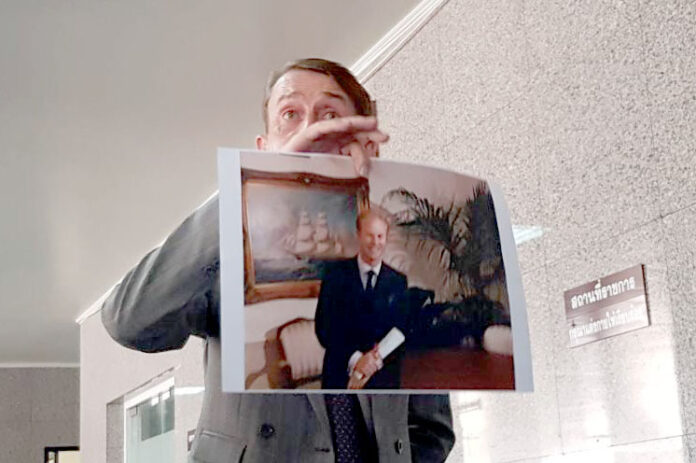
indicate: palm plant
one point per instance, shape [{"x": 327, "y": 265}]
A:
[{"x": 463, "y": 239}]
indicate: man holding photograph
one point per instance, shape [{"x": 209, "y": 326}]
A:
[
  {"x": 357, "y": 309},
  {"x": 311, "y": 105}
]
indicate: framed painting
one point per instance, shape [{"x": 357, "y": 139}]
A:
[{"x": 293, "y": 225}]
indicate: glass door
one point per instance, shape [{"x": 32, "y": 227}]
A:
[{"x": 149, "y": 426}]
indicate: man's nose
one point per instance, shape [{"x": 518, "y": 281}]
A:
[{"x": 310, "y": 119}]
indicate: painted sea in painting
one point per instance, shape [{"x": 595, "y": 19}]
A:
[{"x": 294, "y": 231}]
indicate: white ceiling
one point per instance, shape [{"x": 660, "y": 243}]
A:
[{"x": 110, "y": 115}]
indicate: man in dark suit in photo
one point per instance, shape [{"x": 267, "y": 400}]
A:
[{"x": 355, "y": 311}]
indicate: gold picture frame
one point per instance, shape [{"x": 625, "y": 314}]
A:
[{"x": 295, "y": 273}]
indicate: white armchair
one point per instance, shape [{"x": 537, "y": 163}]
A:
[{"x": 302, "y": 353}]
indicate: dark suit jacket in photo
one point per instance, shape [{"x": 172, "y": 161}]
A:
[{"x": 349, "y": 320}]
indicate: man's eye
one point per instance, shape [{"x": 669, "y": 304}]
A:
[
  {"x": 289, "y": 115},
  {"x": 330, "y": 115}
]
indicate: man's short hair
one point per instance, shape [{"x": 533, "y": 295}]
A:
[
  {"x": 368, "y": 214},
  {"x": 343, "y": 77}
]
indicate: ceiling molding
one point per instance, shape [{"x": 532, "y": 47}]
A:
[
  {"x": 364, "y": 68},
  {"x": 367, "y": 65},
  {"x": 95, "y": 307}
]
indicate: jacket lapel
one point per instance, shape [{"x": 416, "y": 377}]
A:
[
  {"x": 384, "y": 282},
  {"x": 319, "y": 406},
  {"x": 379, "y": 282},
  {"x": 355, "y": 277},
  {"x": 366, "y": 408}
]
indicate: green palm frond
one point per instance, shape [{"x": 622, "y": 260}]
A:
[
  {"x": 460, "y": 236},
  {"x": 427, "y": 221}
]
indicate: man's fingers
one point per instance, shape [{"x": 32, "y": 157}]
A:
[
  {"x": 373, "y": 364},
  {"x": 365, "y": 147},
  {"x": 349, "y": 124},
  {"x": 357, "y": 380},
  {"x": 361, "y": 161},
  {"x": 346, "y": 129},
  {"x": 374, "y": 136},
  {"x": 355, "y": 383},
  {"x": 340, "y": 126},
  {"x": 333, "y": 136},
  {"x": 378, "y": 359}
]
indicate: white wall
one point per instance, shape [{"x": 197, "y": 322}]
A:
[
  {"x": 39, "y": 407},
  {"x": 109, "y": 371}
]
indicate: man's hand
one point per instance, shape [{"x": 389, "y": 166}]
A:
[
  {"x": 355, "y": 136},
  {"x": 365, "y": 368}
]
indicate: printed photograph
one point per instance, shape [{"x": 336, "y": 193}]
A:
[{"x": 398, "y": 281}]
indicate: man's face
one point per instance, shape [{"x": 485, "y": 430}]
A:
[
  {"x": 372, "y": 239},
  {"x": 299, "y": 99}
]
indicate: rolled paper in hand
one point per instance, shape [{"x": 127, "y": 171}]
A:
[{"x": 390, "y": 342}]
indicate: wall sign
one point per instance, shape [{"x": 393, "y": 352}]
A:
[{"x": 608, "y": 306}]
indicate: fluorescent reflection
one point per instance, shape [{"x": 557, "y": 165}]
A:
[
  {"x": 524, "y": 233},
  {"x": 474, "y": 434},
  {"x": 188, "y": 390}
]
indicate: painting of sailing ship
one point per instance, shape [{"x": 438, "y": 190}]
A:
[
  {"x": 294, "y": 224},
  {"x": 294, "y": 242}
]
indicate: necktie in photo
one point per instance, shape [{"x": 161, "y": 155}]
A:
[
  {"x": 348, "y": 430},
  {"x": 369, "y": 287}
]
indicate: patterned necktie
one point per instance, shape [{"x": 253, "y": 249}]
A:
[{"x": 348, "y": 430}]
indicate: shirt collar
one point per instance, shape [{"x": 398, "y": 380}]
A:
[{"x": 364, "y": 267}]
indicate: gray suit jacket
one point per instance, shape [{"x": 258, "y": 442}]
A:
[{"x": 175, "y": 292}]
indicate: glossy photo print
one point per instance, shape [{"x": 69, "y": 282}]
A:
[{"x": 403, "y": 281}]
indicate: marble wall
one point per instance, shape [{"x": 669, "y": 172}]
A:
[
  {"x": 39, "y": 407},
  {"x": 585, "y": 114}
]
